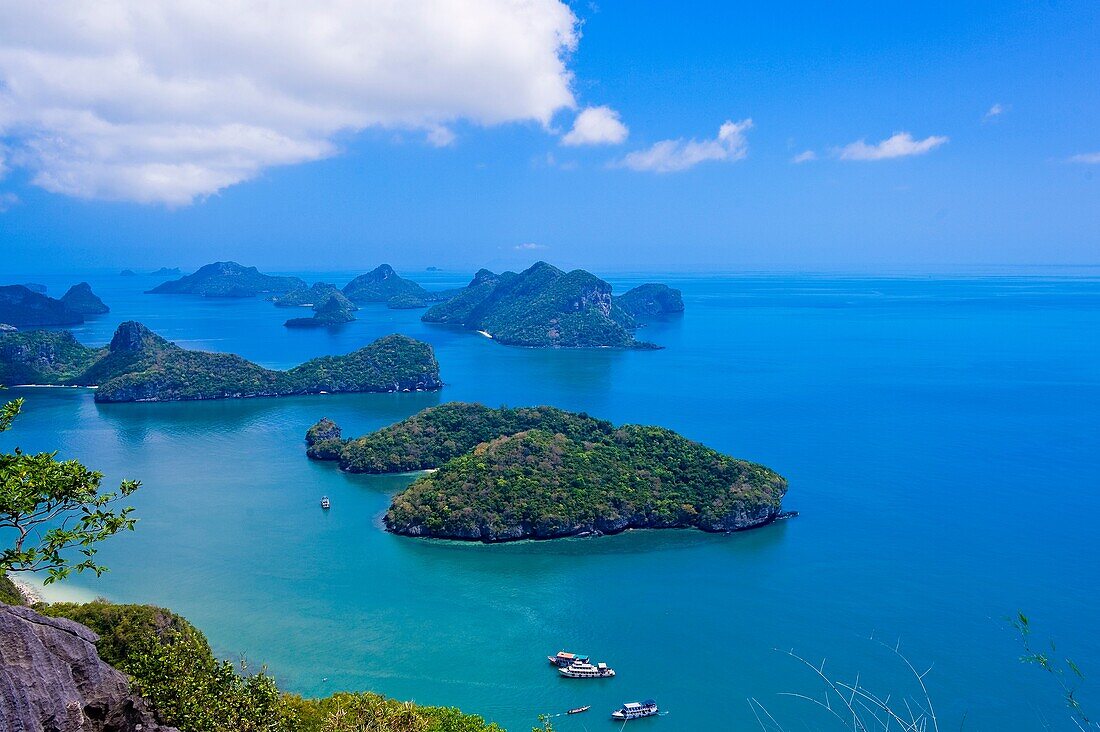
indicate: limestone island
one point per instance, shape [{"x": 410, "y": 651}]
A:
[
  {"x": 383, "y": 284},
  {"x": 227, "y": 279},
  {"x": 23, "y": 307},
  {"x": 542, "y": 473},
  {"x": 336, "y": 310},
  {"x": 545, "y": 307},
  {"x": 140, "y": 366}
]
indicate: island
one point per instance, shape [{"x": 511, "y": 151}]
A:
[
  {"x": 541, "y": 307},
  {"x": 127, "y": 273},
  {"x": 542, "y": 472},
  {"x": 310, "y": 297},
  {"x": 22, "y": 307},
  {"x": 228, "y": 279},
  {"x": 36, "y": 287},
  {"x": 81, "y": 299},
  {"x": 166, "y": 272},
  {"x": 336, "y": 310},
  {"x": 140, "y": 366},
  {"x": 383, "y": 284},
  {"x": 649, "y": 300}
]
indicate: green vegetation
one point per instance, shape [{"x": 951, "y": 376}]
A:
[
  {"x": 382, "y": 284},
  {"x": 139, "y": 365},
  {"x": 80, "y": 299},
  {"x": 22, "y": 307},
  {"x": 543, "y": 472},
  {"x": 171, "y": 664},
  {"x": 50, "y": 508},
  {"x": 313, "y": 296},
  {"x": 651, "y": 299},
  {"x": 540, "y": 307},
  {"x": 9, "y": 593},
  {"x": 228, "y": 279},
  {"x": 336, "y": 310}
]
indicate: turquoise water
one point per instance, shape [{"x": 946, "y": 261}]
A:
[{"x": 940, "y": 437}]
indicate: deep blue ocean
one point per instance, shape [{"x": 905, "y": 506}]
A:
[{"x": 941, "y": 436}]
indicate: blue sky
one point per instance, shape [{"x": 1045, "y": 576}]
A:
[{"x": 475, "y": 171}]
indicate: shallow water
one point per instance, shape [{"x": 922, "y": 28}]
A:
[{"x": 940, "y": 437}]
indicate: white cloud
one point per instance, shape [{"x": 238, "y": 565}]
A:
[
  {"x": 441, "y": 136},
  {"x": 1087, "y": 158},
  {"x": 7, "y": 200},
  {"x": 995, "y": 111},
  {"x": 169, "y": 100},
  {"x": 528, "y": 246},
  {"x": 596, "y": 126},
  {"x": 804, "y": 157},
  {"x": 670, "y": 156},
  {"x": 901, "y": 145}
]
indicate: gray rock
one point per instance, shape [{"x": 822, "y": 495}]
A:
[{"x": 52, "y": 680}]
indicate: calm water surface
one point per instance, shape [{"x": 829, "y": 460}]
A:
[{"x": 941, "y": 438}]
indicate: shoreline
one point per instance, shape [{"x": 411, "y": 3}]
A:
[{"x": 30, "y": 595}]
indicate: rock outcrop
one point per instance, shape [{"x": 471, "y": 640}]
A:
[{"x": 52, "y": 680}]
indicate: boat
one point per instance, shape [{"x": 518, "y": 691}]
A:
[
  {"x": 578, "y": 710},
  {"x": 636, "y": 710},
  {"x": 582, "y": 670},
  {"x": 563, "y": 659},
  {"x": 325, "y": 502}
]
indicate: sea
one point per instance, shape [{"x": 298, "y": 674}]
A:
[{"x": 940, "y": 434}]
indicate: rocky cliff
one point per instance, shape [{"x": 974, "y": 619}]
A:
[{"x": 52, "y": 680}]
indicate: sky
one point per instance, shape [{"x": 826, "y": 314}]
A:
[{"x": 610, "y": 135}]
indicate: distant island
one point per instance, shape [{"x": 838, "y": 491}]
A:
[
  {"x": 140, "y": 366},
  {"x": 336, "y": 310},
  {"x": 22, "y": 307},
  {"x": 80, "y": 298},
  {"x": 228, "y": 279},
  {"x": 546, "y": 307},
  {"x": 383, "y": 284},
  {"x": 166, "y": 272},
  {"x": 541, "y": 472},
  {"x": 649, "y": 300}
]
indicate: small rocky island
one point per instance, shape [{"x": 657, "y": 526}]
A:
[
  {"x": 140, "y": 366},
  {"x": 335, "y": 310},
  {"x": 383, "y": 284},
  {"x": 541, "y": 473},
  {"x": 23, "y": 307},
  {"x": 545, "y": 307},
  {"x": 81, "y": 299},
  {"x": 228, "y": 279}
]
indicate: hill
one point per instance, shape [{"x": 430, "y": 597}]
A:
[
  {"x": 81, "y": 299},
  {"x": 505, "y": 474},
  {"x": 22, "y": 307},
  {"x": 383, "y": 284},
  {"x": 540, "y": 307},
  {"x": 228, "y": 279},
  {"x": 139, "y": 365},
  {"x": 652, "y": 299}
]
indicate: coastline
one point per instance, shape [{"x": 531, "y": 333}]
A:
[{"x": 30, "y": 595}]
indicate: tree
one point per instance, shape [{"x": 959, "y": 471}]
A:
[{"x": 53, "y": 506}]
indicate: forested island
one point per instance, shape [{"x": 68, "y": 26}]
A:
[
  {"x": 138, "y": 366},
  {"x": 541, "y": 472},
  {"x": 546, "y": 307},
  {"x": 228, "y": 279},
  {"x": 21, "y": 306},
  {"x": 383, "y": 284}
]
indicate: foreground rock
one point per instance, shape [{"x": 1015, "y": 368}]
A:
[
  {"x": 542, "y": 472},
  {"x": 139, "y": 365},
  {"x": 52, "y": 680}
]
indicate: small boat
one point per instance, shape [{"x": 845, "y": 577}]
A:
[
  {"x": 325, "y": 502},
  {"x": 636, "y": 710},
  {"x": 563, "y": 659},
  {"x": 581, "y": 670},
  {"x": 578, "y": 710}
]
